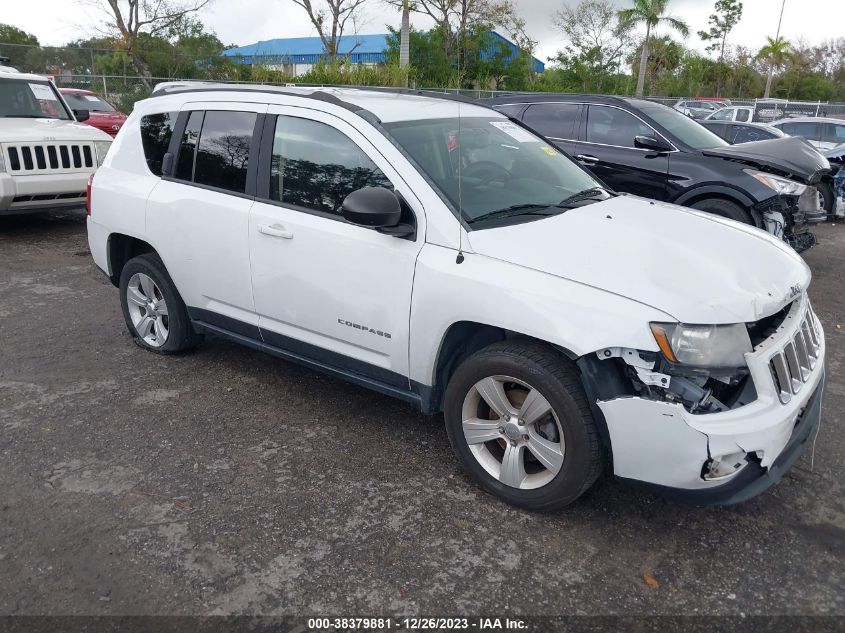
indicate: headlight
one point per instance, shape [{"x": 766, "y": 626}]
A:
[
  {"x": 102, "y": 148},
  {"x": 703, "y": 345},
  {"x": 781, "y": 185}
]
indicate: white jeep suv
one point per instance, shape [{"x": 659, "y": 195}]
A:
[
  {"x": 434, "y": 250},
  {"x": 46, "y": 154}
]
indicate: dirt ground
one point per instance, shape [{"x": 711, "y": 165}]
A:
[{"x": 225, "y": 481}]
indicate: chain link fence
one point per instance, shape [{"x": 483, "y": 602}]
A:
[{"x": 124, "y": 91}]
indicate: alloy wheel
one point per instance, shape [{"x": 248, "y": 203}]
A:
[
  {"x": 513, "y": 432},
  {"x": 148, "y": 310}
]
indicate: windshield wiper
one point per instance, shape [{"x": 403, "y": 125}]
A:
[
  {"x": 581, "y": 196},
  {"x": 518, "y": 210}
]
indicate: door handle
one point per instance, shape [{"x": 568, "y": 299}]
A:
[
  {"x": 275, "y": 230},
  {"x": 587, "y": 159}
]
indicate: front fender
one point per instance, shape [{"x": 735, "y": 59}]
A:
[{"x": 579, "y": 318}]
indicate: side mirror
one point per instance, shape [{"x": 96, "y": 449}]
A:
[
  {"x": 82, "y": 115},
  {"x": 652, "y": 143},
  {"x": 375, "y": 207}
]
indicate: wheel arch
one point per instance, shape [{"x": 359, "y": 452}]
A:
[
  {"x": 729, "y": 194},
  {"x": 461, "y": 340},
  {"x": 121, "y": 248},
  {"x": 464, "y": 338}
]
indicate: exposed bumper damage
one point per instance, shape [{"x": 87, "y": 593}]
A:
[
  {"x": 786, "y": 217},
  {"x": 705, "y": 444}
]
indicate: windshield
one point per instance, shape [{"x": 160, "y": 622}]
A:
[
  {"x": 30, "y": 100},
  {"x": 683, "y": 128},
  {"x": 485, "y": 165},
  {"x": 93, "y": 103}
]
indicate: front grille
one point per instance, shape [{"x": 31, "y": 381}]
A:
[
  {"x": 30, "y": 158},
  {"x": 793, "y": 365}
]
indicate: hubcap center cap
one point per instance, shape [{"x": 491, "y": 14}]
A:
[{"x": 513, "y": 431}]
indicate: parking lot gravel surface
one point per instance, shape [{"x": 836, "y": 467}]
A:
[{"x": 224, "y": 481}]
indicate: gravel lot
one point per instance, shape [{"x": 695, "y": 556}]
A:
[{"x": 225, "y": 481}]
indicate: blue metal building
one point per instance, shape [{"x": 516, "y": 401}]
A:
[{"x": 298, "y": 54}]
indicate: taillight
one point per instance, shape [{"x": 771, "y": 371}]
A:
[{"x": 88, "y": 193}]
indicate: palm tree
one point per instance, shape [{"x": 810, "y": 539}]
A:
[
  {"x": 650, "y": 13},
  {"x": 405, "y": 35},
  {"x": 776, "y": 51}
]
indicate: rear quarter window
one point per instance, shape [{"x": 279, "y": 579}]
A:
[{"x": 156, "y": 131}]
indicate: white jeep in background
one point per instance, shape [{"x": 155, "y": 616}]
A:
[{"x": 46, "y": 154}]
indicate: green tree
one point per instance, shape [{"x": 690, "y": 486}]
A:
[
  {"x": 598, "y": 40},
  {"x": 727, "y": 14},
  {"x": 776, "y": 52},
  {"x": 650, "y": 13},
  {"x": 15, "y": 43}
]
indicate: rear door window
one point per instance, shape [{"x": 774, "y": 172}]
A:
[
  {"x": 834, "y": 133},
  {"x": 742, "y": 115},
  {"x": 613, "y": 126},
  {"x": 156, "y": 132},
  {"x": 554, "y": 120},
  {"x": 804, "y": 129},
  {"x": 223, "y": 150}
]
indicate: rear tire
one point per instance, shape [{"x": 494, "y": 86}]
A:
[
  {"x": 536, "y": 446},
  {"x": 153, "y": 310},
  {"x": 723, "y": 208}
]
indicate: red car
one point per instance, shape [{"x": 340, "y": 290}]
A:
[{"x": 103, "y": 116}]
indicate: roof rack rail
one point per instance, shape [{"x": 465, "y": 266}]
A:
[{"x": 179, "y": 87}]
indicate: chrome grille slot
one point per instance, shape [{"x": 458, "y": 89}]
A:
[
  {"x": 40, "y": 158},
  {"x": 792, "y": 366}
]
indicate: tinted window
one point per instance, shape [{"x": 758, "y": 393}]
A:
[
  {"x": 156, "y": 131},
  {"x": 612, "y": 126},
  {"x": 834, "y": 133},
  {"x": 223, "y": 150},
  {"x": 723, "y": 131},
  {"x": 750, "y": 134},
  {"x": 742, "y": 115},
  {"x": 682, "y": 127},
  {"x": 81, "y": 101},
  {"x": 315, "y": 166},
  {"x": 510, "y": 110},
  {"x": 188, "y": 146},
  {"x": 807, "y": 130},
  {"x": 555, "y": 120}
]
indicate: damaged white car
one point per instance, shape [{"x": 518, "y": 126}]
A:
[{"x": 438, "y": 252}]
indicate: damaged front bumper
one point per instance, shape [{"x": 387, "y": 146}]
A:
[{"x": 728, "y": 456}]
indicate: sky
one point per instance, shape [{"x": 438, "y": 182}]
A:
[{"x": 242, "y": 22}]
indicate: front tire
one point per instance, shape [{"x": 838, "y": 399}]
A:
[
  {"x": 519, "y": 422},
  {"x": 724, "y": 209},
  {"x": 154, "y": 312}
]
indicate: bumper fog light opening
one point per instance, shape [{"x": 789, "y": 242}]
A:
[{"x": 723, "y": 466}]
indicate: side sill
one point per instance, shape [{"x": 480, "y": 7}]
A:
[{"x": 352, "y": 377}]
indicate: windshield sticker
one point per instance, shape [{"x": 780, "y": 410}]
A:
[
  {"x": 42, "y": 92},
  {"x": 548, "y": 150},
  {"x": 91, "y": 98},
  {"x": 515, "y": 132}
]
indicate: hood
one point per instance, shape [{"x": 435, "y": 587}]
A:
[
  {"x": 836, "y": 152},
  {"x": 46, "y": 130},
  {"x": 698, "y": 268},
  {"x": 790, "y": 155}
]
